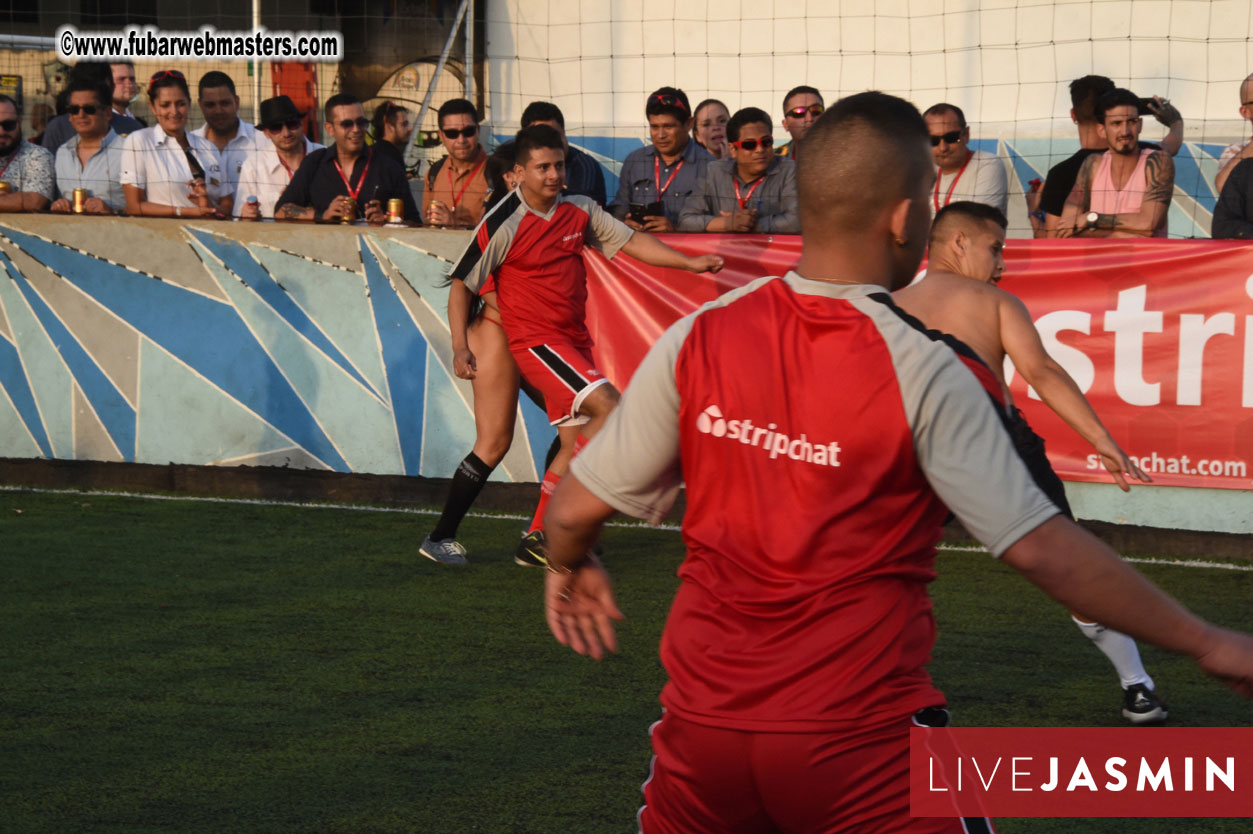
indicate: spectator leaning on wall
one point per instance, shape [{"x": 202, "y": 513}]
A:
[{"x": 26, "y": 168}]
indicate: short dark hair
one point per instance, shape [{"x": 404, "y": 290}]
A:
[
  {"x": 1084, "y": 93},
  {"x": 501, "y": 160},
  {"x": 533, "y": 138},
  {"x": 967, "y": 209},
  {"x": 455, "y": 106},
  {"x": 215, "y": 78},
  {"x": 746, "y": 116},
  {"x": 166, "y": 78},
  {"x": 83, "y": 84},
  {"x": 10, "y": 100},
  {"x": 669, "y": 101},
  {"x": 1117, "y": 97},
  {"x": 542, "y": 111},
  {"x": 338, "y": 100},
  {"x": 386, "y": 113},
  {"x": 944, "y": 107},
  {"x": 796, "y": 91}
]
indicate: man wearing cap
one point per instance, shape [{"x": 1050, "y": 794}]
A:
[
  {"x": 267, "y": 170},
  {"x": 656, "y": 180}
]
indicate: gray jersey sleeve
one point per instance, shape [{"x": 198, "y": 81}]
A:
[
  {"x": 605, "y": 232},
  {"x": 962, "y": 445},
  {"x": 480, "y": 258},
  {"x": 632, "y": 464}
]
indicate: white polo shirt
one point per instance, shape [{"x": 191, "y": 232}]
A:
[
  {"x": 247, "y": 140},
  {"x": 154, "y": 161},
  {"x": 263, "y": 176}
]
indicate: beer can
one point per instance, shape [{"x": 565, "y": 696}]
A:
[
  {"x": 5, "y": 188},
  {"x": 350, "y": 212},
  {"x": 80, "y": 197},
  {"x": 395, "y": 210}
]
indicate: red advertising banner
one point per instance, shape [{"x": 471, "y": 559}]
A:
[
  {"x": 1157, "y": 333},
  {"x": 1081, "y": 772}
]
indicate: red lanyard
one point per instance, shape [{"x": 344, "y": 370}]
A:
[
  {"x": 949, "y": 196},
  {"x": 657, "y": 175},
  {"x": 351, "y": 191},
  {"x": 457, "y": 197},
  {"x": 291, "y": 173},
  {"x": 743, "y": 201}
]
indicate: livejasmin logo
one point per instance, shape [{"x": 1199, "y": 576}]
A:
[{"x": 768, "y": 439}]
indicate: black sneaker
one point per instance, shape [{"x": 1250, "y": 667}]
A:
[
  {"x": 532, "y": 551},
  {"x": 1140, "y": 705}
]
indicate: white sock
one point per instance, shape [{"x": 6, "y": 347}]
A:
[{"x": 1121, "y": 651}]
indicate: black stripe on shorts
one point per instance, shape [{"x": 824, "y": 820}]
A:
[{"x": 571, "y": 378}]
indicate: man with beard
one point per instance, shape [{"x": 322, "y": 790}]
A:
[
  {"x": 962, "y": 172},
  {"x": 267, "y": 171},
  {"x": 1126, "y": 191},
  {"x": 753, "y": 191},
  {"x": 27, "y": 168}
]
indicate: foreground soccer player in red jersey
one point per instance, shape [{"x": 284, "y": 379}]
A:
[
  {"x": 821, "y": 433},
  {"x": 532, "y": 242}
]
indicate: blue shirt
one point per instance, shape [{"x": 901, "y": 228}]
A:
[
  {"x": 584, "y": 176},
  {"x": 637, "y": 183},
  {"x": 101, "y": 176}
]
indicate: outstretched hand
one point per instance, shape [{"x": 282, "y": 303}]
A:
[
  {"x": 1118, "y": 464},
  {"x": 707, "y": 263},
  {"x": 580, "y": 609},
  {"x": 1229, "y": 658}
]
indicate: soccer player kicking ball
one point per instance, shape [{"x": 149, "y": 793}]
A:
[
  {"x": 958, "y": 297},
  {"x": 533, "y": 241}
]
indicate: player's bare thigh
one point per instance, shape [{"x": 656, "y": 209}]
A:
[{"x": 495, "y": 386}]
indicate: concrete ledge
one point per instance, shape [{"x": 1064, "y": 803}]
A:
[{"x": 283, "y": 484}]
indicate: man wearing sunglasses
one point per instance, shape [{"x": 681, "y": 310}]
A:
[
  {"x": 655, "y": 180},
  {"x": 345, "y": 180},
  {"x": 964, "y": 174},
  {"x": 92, "y": 159},
  {"x": 752, "y": 191},
  {"x": 456, "y": 185},
  {"x": 233, "y": 138},
  {"x": 59, "y": 130},
  {"x": 801, "y": 108},
  {"x": 1237, "y": 152},
  {"x": 27, "y": 168},
  {"x": 267, "y": 171}
]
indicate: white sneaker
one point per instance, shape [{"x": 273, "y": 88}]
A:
[{"x": 447, "y": 552}]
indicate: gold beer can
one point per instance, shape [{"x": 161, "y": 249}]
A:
[
  {"x": 350, "y": 212},
  {"x": 80, "y": 197},
  {"x": 395, "y": 210},
  {"x": 5, "y": 188}
]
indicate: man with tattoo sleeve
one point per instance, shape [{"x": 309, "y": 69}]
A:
[{"x": 1126, "y": 191}]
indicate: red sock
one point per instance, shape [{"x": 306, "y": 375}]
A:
[{"x": 546, "y": 489}]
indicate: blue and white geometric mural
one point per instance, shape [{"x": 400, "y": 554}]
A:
[{"x": 315, "y": 347}]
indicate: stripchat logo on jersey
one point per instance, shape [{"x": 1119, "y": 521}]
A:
[{"x": 768, "y": 438}]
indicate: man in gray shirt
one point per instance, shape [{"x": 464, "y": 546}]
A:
[
  {"x": 752, "y": 191},
  {"x": 655, "y": 181}
]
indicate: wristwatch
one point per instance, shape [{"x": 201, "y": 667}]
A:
[{"x": 1092, "y": 218}]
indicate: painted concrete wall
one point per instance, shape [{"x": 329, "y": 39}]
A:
[{"x": 321, "y": 347}]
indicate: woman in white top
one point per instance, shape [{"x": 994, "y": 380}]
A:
[{"x": 168, "y": 171}]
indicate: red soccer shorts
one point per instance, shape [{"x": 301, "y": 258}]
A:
[
  {"x": 717, "y": 781},
  {"x": 564, "y": 374}
]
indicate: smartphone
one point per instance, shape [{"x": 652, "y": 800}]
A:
[
  {"x": 1145, "y": 110},
  {"x": 639, "y": 211}
]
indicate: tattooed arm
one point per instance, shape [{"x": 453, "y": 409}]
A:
[
  {"x": 1159, "y": 186},
  {"x": 291, "y": 211},
  {"x": 1072, "y": 219}
]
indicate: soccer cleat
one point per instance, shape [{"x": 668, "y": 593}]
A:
[
  {"x": 447, "y": 552},
  {"x": 532, "y": 551},
  {"x": 1142, "y": 706}
]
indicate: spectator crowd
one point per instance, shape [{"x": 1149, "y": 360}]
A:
[{"x": 705, "y": 169}]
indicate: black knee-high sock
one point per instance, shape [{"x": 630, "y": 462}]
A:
[{"x": 466, "y": 485}]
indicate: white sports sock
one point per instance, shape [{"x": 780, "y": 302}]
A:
[{"x": 1121, "y": 651}]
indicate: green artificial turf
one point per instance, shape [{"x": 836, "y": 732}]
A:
[{"x": 180, "y": 666}]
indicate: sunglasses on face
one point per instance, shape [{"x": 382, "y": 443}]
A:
[
  {"x": 751, "y": 144},
  {"x": 951, "y": 137},
  {"x": 85, "y": 109},
  {"x": 290, "y": 124},
  {"x": 348, "y": 124},
  {"x": 799, "y": 112},
  {"x": 9, "y": 125},
  {"x": 453, "y": 133}
]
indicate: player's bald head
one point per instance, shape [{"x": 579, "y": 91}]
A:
[
  {"x": 964, "y": 216},
  {"x": 861, "y": 158},
  {"x": 1246, "y": 89}
]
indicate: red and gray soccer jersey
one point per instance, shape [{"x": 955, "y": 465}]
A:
[
  {"x": 541, "y": 282},
  {"x": 820, "y": 435}
]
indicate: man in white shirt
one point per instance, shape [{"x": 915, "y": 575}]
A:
[
  {"x": 233, "y": 138},
  {"x": 268, "y": 170},
  {"x": 963, "y": 174},
  {"x": 92, "y": 158},
  {"x": 1237, "y": 152}
]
